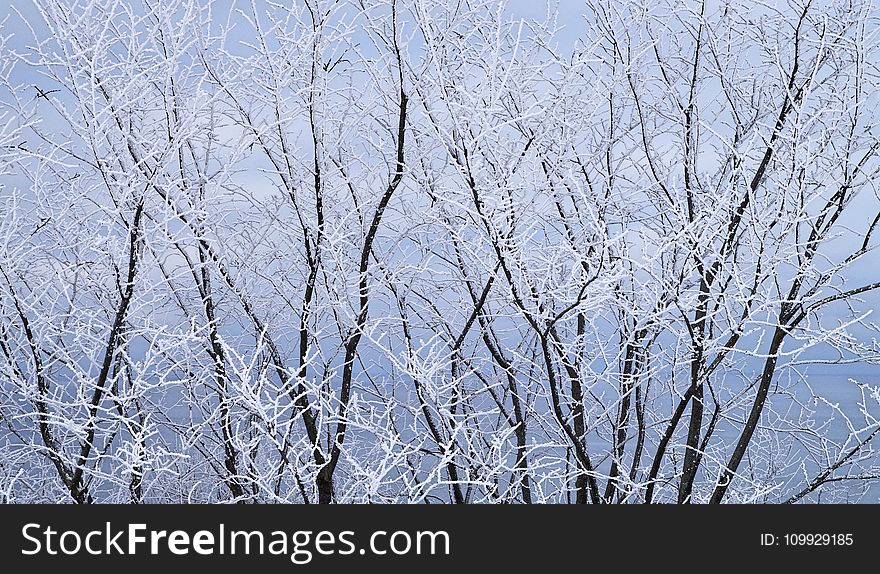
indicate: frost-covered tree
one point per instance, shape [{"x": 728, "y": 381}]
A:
[{"x": 438, "y": 251}]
